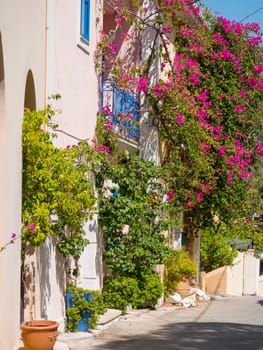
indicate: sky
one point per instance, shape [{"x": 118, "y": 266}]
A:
[{"x": 238, "y": 9}]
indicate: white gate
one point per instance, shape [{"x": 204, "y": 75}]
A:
[{"x": 251, "y": 274}]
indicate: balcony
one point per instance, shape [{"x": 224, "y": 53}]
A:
[{"x": 124, "y": 108}]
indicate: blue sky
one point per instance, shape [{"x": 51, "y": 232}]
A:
[{"x": 238, "y": 9}]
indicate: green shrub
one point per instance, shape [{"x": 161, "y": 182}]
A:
[
  {"x": 151, "y": 289},
  {"x": 119, "y": 292},
  {"x": 216, "y": 249}
]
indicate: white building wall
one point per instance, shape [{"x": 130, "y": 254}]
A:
[
  {"x": 71, "y": 70},
  {"x": 70, "y": 73},
  {"x": 22, "y": 28}
]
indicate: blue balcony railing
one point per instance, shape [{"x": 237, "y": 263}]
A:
[{"x": 125, "y": 110}]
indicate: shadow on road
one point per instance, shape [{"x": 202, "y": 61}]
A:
[{"x": 193, "y": 336}]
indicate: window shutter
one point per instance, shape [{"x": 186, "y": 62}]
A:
[{"x": 85, "y": 19}]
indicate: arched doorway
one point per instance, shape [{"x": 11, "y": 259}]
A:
[
  {"x": 30, "y": 95},
  {"x": 26, "y": 267}
]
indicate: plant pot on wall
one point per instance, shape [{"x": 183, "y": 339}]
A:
[{"x": 39, "y": 334}]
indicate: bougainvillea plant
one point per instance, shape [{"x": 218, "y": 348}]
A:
[{"x": 200, "y": 77}]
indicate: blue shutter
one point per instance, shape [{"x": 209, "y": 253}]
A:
[{"x": 85, "y": 19}]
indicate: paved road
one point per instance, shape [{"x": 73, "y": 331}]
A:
[{"x": 226, "y": 323}]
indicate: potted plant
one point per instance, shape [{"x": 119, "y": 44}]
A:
[
  {"x": 39, "y": 334},
  {"x": 83, "y": 308},
  {"x": 179, "y": 269}
]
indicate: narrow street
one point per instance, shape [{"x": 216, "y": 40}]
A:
[{"x": 225, "y": 323}]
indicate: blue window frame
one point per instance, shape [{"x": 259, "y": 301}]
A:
[{"x": 85, "y": 19}]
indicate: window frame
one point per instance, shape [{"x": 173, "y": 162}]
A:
[{"x": 85, "y": 20}]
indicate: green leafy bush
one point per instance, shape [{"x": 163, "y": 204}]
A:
[
  {"x": 151, "y": 289},
  {"x": 216, "y": 249},
  {"x": 119, "y": 292}
]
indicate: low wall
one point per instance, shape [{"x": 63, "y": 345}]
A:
[{"x": 216, "y": 281}]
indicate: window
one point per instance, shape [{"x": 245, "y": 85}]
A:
[{"x": 85, "y": 20}]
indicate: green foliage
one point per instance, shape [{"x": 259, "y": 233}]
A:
[
  {"x": 133, "y": 215},
  {"x": 55, "y": 184},
  {"x": 151, "y": 289},
  {"x": 178, "y": 266},
  {"x": 120, "y": 292},
  {"x": 80, "y": 306},
  {"x": 216, "y": 248}
]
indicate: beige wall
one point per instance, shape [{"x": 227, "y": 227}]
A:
[
  {"x": 22, "y": 27},
  {"x": 260, "y": 287},
  {"x": 216, "y": 281}
]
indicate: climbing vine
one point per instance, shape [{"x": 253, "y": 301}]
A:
[{"x": 57, "y": 188}]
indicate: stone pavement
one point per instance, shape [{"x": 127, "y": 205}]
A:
[
  {"x": 224, "y": 323},
  {"x": 67, "y": 341},
  {"x": 81, "y": 341}
]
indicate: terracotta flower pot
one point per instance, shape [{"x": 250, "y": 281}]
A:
[
  {"x": 183, "y": 288},
  {"x": 39, "y": 334}
]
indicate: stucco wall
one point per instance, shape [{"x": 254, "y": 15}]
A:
[
  {"x": 216, "y": 281},
  {"x": 22, "y": 27},
  {"x": 71, "y": 70},
  {"x": 235, "y": 276},
  {"x": 260, "y": 286},
  {"x": 70, "y": 73}
]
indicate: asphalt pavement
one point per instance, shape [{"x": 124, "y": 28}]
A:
[{"x": 234, "y": 323}]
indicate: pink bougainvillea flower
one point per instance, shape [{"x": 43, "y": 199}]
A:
[
  {"x": 113, "y": 47},
  {"x": 13, "y": 235},
  {"x": 32, "y": 227},
  {"x": 220, "y": 39},
  {"x": 202, "y": 97},
  {"x": 108, "y": 125},
  {"x": 143, "y": 85},
  {"x": 166, "y": 30},
  {"x": 258, "y": 69},
  {"x": 170, "y": 196},
  {"x": 205, "y": 187},
  {"x": 221, "y": 151},
  {"x": 189, "y": 204},
  {"x": 106, "y": 149},
  {"x": 179, "y": 119},
  {"x": 200, "y": 197},
  {"x": 106, "y": 110},
  {"x": 259, "y": 148},
  {"x": 239, "y": 109}
]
